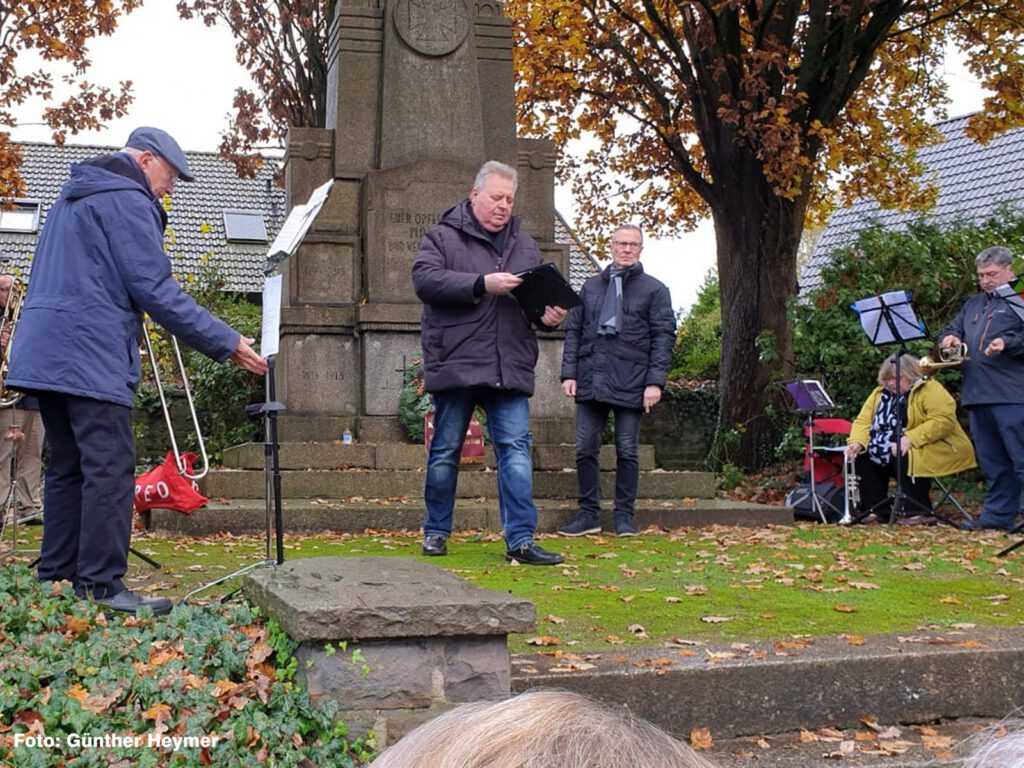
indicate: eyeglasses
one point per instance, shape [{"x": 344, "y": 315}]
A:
[{"x": 627, "y": 244}]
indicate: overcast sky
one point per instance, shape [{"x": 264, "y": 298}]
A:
[{"x": 184, "y": 76}]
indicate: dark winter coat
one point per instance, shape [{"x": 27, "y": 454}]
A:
[
  {"x": 470, "y": 339},
  {"x": 616, "y": 369},
  {"x": 999, "y": 378},
  {"x": 99, "y": 264}
]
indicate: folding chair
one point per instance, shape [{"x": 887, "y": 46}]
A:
[{"x": 946, "y": 486}]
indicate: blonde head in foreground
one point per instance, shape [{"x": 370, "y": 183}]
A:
[{"x": 539, "y": 729}]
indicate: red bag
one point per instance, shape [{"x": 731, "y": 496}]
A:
[
  {"x": 472, "y": 447},
  {"x": 163, "y": 487}
]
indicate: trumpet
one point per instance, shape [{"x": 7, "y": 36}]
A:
[
  {"x": 851, "y": 499},
  {"x": 948, "y": 357},
  {"x": 8, "y": 325},
  {"x": 179, "y": 459}
]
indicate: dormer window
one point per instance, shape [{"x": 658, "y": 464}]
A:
[
  {"x": 19, "y": 216},
  {"x": 245, "y": 227}
]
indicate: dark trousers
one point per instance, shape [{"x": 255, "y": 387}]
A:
[
  {"x": 88, "y": 496},
  {"x": 874, "y": 487},
  {"x": 591, "y": 416}
]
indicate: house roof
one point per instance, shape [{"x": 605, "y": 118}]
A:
[
  {"x": 195, "y": 220},
  {"x": 196, "y": 217},
  {"x": 973, "y": 179}
]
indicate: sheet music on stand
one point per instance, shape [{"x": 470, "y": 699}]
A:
[
  {"x": 288, "y": 239},
  {"x": 889, "y": 318},
  {"x": 808, "y": 396},
  {"x": 1013, "y": 293}
]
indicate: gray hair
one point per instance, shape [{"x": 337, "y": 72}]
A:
[
  {"x": 539, "y": 729},
  {"x": 632, "y": 227},
  {"x": 493, "y": 167},
  {"x": 907, "y": 365},
  {"x": 996, "y": 748},
  {"x": 994, "y": 255}
]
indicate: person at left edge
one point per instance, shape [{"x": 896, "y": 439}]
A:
[
  {"x": 98, "y": 266},
  {"x": 479, "y": 349}
]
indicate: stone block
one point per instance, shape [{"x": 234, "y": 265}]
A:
[
  {"x": 322, "y": 374},
  {"x": 325, "y": 272},
  {"x": 402, "y": 673},
  {"x": 476, "y": 669},
  {"x": 334, "y": 598},
  {"x": 548, "y": 402},
  {"x": 402, "y": 204},
  {"x": 386, "y": 356},
  {"x": 432, "y": 99}
]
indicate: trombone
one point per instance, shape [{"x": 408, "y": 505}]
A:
[
  {"x": 147, "y": 327},
  {"x": 8, "y": 325}
]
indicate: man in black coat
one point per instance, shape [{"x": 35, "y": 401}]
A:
[
  {"x": 480, "y": 350},
  {"x": 618, "y": 346}
]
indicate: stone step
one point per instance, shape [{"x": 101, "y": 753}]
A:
[
  {"x": 336, "y": 455},
  {"x": 356, "y": 515},
  {"x": 474, "y": 481}
]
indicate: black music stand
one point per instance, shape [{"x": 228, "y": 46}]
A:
[
  {"x": 887, "y": 319},
  {"x": 288, "y": 239},
  {"x": 810, "y": 398}
]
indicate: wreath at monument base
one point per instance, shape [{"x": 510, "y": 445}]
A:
[{"x": 414, "y": 403}]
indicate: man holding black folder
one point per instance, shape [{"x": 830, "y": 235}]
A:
[
  {"x": 479, "y": 349},
  {"x": 618, "y": 347}
]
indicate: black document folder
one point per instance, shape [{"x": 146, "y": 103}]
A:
[{"x": 542, "y": 287}]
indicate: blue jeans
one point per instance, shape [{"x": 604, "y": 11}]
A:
[
  {"x": 998, "y": 434},
  {"x": 591, "y": 417},
  {"x": 508, "y": 423}
]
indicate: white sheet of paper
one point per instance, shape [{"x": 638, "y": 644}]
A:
[{"x": 271, "y": 315}]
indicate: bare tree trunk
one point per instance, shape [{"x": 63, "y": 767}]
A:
[{"x": 758, "y": 239}]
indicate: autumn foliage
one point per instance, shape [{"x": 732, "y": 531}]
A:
[
  {"x": 759, "y": 114},
  {"x": 284, "y": 46},
  {"x": 57, "y": 32}
]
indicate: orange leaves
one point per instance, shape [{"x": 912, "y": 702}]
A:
[{"x": 700, "y": 738}]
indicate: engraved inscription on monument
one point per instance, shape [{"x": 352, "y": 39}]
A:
[{"x": 432, "y": 27}]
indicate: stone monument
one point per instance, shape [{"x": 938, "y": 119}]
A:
[{"x": 420, "y": 94}]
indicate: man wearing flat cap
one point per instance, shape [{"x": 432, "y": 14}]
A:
[{"x": 98, "y": 266}]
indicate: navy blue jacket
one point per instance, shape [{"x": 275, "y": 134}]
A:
[
  {"x": 99, "y": 264},
  {"x": 1000, "y": 378},
  {"x": 617, "y": 369},
  {"x": 471, "y": 340}
]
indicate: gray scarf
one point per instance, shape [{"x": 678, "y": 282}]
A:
[{"x": 610, "y": 318}]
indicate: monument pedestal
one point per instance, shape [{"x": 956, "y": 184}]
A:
[{"x": 393, "y": 640}]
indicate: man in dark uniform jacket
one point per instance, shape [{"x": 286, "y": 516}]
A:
[{"x": 99, "y": 265}]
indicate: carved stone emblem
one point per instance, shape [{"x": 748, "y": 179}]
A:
[{"x": 432, "y": 27}]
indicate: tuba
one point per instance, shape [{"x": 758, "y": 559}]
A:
[
  {"x": 8, "y": 325},
  {"x": 945, "y": 357}
]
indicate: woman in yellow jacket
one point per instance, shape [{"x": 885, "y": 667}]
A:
[{"x": 933, "y": 443}]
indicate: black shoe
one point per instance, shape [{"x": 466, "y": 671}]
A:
[
  {"x": 434, "y": 545},
  {"x": 127, "y": 601},
  {"x": 975, "y": 524},
  {"x": 581, "y": 525},
  {"x": 531, "y": 554},
  {"x": 624, "y": 527}
]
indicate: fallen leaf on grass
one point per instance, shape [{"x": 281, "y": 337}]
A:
[
  {"x": 552, "y": 619},
  {"x": 638, "y": 630},
  {"x": 544, "y": 640},
  {"x": 863, "y": 585},
  {"x": 914, "y": 567},
  {"x": 845, "y": 608},
  {"x": 716, "y": 619},
  {"x": 950, "y": 600}
]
